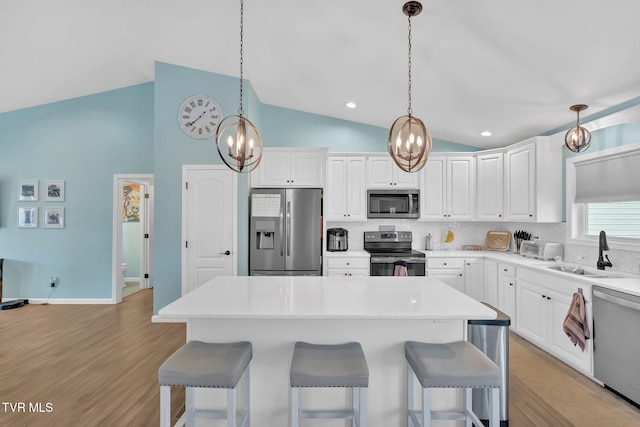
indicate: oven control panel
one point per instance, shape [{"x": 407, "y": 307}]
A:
[{"x": 388, "y": 236}]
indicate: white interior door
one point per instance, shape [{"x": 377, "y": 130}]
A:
[{"x": 208, "y": 224}]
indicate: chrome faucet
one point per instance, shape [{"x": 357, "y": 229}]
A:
[
  {"x": 602, "y": 246},
  {"x": 578, "y": 269}
]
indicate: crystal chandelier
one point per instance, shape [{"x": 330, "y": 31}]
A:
[
  {"x": 409, "y": 142},
  {"x": 238, "y": 140},
  {"x": 578, "y": 139}
]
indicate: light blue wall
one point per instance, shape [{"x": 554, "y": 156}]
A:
[
  {"x": 83, "y": 141},
  {"x": 172, "y": 149},
  {"x": 282, "y": 127}
]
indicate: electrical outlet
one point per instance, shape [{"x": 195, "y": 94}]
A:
[{"x": 53, "y": 281}]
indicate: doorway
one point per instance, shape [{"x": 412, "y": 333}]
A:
[{"x": 132, "y": 253}]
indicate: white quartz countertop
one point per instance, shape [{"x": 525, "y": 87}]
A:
[
  {"x": 325, "y": 297},
  {"x": 629, "y": 284}
]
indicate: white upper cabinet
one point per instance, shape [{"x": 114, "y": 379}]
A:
[
  {"x": 490, "y": 186},
  {"x": 448, "y": 188},
  {"x": 520, "y": 183},
  {"x": 382, "y": 172},
  {"x": 345, "y": 194},
  {"x": 287, "y": 167},
  {"x": 533, "y": 181}
]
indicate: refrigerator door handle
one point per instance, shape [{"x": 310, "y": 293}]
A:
[
  {"x": 281, "y": 233},
  {"x": 288, "y": 228}
]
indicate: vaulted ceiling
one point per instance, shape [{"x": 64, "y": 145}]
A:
[{"x": 510, "y": 67}]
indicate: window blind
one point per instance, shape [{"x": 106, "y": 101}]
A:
[{"x": 615, "y": 178}]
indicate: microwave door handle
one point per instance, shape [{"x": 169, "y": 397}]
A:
[{"x": 288, "y": 228}]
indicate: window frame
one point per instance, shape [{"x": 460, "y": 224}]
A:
[{"x": 577, "y": 213}]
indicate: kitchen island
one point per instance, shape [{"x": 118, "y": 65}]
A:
[{"x": 379, "y": 312}]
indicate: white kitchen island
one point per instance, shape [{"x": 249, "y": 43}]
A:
[{"x": 273, "y": 312}]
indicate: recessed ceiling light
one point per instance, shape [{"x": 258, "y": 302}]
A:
[
  {"x": 486, "y": 133},
  {"x": 351, "y": 105}
]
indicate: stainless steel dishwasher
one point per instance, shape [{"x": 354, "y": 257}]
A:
[{"x": 616, "y": 341}]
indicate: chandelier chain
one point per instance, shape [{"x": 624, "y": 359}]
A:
[
  {"x": 409, "y": 109},
  {"x": 240, "y": 110}
]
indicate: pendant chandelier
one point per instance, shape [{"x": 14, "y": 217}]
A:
[
  {"x": 238, "y": 140},
  {"x": 409, "y": 142},
  {"x": 578, "y": 139}
]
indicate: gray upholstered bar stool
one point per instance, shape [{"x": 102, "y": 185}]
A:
[
  {"x": 210, "y": 365},
  {"x": 339, "y": 365},
  {"x": 453, "y": 365}
]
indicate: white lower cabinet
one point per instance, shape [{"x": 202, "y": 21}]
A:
[
  {"x": 507, "y": 291},
  {"x": 541, "y": 310},
  {"x": 474, "y": 278},
  {"x": 491, "y": 282},
  {"x": 347, "y": 266},
  {"x": 449, "y": 270}
]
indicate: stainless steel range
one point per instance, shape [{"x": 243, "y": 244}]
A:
[{"x": 387, "y": 247}]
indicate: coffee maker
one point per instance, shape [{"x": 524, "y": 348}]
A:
[{"x": 337, "y": 239}]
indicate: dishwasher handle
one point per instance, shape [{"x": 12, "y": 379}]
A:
[{"x": 616, "y": 300}]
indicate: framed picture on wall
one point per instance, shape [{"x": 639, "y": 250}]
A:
[
  {"x": 28, "y": 217},
  {"x": 53, "y": 217},
  {"x": 53, "y": 190},
  {"x": 28, "y": 191}
]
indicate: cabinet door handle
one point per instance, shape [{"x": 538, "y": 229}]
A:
[
  {"x": 444, "y": 263},
  {"x": 510, "y": 284},
  {"x": 460, "y": 274},
  {"x": 544, "y": 296}
]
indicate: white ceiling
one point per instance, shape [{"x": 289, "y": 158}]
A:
[{"x": 511, "y": 67}]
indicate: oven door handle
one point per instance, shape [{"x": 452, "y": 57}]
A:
[{"x": 391, "y": 260}]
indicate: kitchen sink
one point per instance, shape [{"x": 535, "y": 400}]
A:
[{"x": 587, "y": 273}]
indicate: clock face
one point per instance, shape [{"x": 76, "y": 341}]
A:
[{"x": 199, "y": 116}]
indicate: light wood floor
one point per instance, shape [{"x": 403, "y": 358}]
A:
[{"x": 96, "y": 365}]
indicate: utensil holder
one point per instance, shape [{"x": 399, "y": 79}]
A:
[{"x": 518, "y": 243}]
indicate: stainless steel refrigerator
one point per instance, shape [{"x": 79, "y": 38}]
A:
[{"x": 285, "y": 234}]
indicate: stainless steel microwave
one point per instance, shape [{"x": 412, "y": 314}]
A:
[{"x": 398, "y": 203}]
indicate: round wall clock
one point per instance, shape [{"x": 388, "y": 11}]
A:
[{"x": 199, "y": 116}]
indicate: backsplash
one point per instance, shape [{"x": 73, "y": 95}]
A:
[{"x": 474, "y": 233}]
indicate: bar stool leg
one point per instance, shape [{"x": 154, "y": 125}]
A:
[
  {"x": 468, "y": 408},
  {"x": 355, "y": 405},
  {"x": 189, "y": 408},
  {"x": 247, "y": 399},
  {"x": 426, "y": 407},
  {"x": 295, "y": 406},
  {"x": 165, "y": 406},
  {"x": 362, "y": 407},
  {"x": 410, "y": 406},
  {"x": 231, "y": 407},
  {"x": 495, "y": 408}
]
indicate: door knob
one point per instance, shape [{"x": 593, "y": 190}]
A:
[{"x": 225, "y": 253}]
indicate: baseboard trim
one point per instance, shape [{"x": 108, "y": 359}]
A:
[{"x": 65, "y": 300}]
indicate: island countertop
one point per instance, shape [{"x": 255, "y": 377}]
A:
[{"x": 304, "y": 297}]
